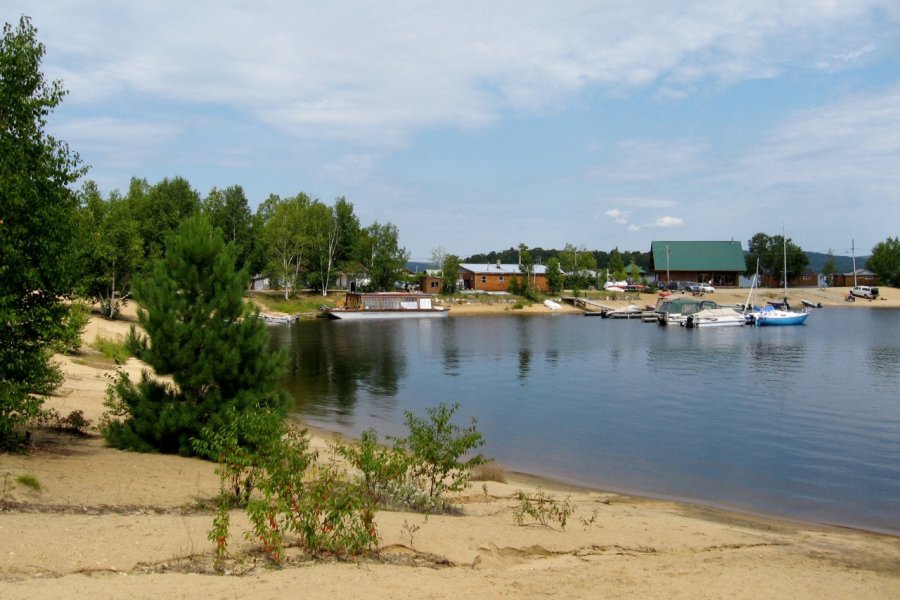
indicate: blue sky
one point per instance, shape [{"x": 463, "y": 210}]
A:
[{"x": 476, "y": 126}]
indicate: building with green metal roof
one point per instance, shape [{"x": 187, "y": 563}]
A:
[{"x": 719, "y": 263}]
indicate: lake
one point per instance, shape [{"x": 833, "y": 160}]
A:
[{"x": 801, "y": 422}]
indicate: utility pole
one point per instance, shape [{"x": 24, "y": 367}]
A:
[{"x": 853, "y": 254}]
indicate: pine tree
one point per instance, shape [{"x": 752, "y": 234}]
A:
[{"x": 200, "y": 331}]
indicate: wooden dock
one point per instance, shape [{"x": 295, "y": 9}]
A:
[{"x": 593, "y": 308}]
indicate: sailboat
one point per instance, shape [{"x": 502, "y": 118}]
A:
[{"x": 782, "y": 313}]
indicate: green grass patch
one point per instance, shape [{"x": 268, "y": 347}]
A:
[
  {"x": 296, "y": 304},
  {"x": 113, "y": 350},
  {"x": 29, "y": 481}
]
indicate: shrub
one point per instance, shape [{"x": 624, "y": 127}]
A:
[
  {"x": 436, "y": 447},
  {"x": 382, "y": 469},
  {"x": 282, "y": 490},
  {"x": 74, "y": 422},
  {"x": 542, "y": 508}
]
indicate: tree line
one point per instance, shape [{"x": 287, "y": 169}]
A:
[{"x": 295, "y": 241}]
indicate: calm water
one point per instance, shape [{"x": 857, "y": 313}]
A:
[{"x": 795, "y": 421}]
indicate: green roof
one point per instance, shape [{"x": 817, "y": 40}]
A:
[{"x": 697, "y": 256}]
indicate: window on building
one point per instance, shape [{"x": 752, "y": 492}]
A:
[
  {"x": 501, "y": 279},
  {"x": 484, "y": 279}
]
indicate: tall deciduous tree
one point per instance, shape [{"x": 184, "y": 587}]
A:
[
  {"x": 328, "y": 228},
  {"x": 617, "y": 266},
  {"x": 450, "y": 273},
  {"x": 771, "y": 253},
  {"x": 38, "y": 212},
  {"x": 284, "y": 238},
  {"x": 885, "y": 261},
  {"x": 159, "y": 210},
  {"x": 199, "y": 331},
  {"x": 381, "y": 253},
  {"x": 554, "y": 275},
  {"x": 111, "y": 248},
  {"x": 229, "y": 211}
]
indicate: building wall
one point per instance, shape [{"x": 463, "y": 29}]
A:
[
  {"x": 492, "y": 282},
  {"x": 719, "y": 279},
  {"x": 847, "y": 280},
  {"x": 431, "y": 285}
]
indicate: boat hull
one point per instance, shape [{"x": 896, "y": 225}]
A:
[
  {"x": 367, "y": 315},
  {"x": 387, "y": 305},
  {"x": 776, "y": 320}
]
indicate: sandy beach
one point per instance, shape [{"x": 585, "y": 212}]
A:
[
  {"x": 107, "y": 523},
  {"x": 827, "y": 297}
]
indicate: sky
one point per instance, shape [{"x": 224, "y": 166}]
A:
[{"x": 476, "y": 126}]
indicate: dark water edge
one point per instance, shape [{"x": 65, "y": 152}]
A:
[{"x": 800, "y": 423}]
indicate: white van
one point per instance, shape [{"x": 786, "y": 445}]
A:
[{"x": 864, "y": 291}]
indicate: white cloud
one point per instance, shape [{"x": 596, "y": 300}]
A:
[
  {"x": 664, "y": 222},
  {"x": 855, "y": 142},
  {"x": 375, "y": 73},
  {"x": 619, "y": 216}
]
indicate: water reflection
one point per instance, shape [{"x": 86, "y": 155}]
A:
[
  {"x": 802, "y": 421},
  {"x": 331, "y": 363},
  {"x": 523, "y": 337},
  {"x": 450, "y": 348}
]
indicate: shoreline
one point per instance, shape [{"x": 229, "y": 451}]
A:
[
  {"x": 690, "y": 505},
  {"x": 109, "y": 523},
  {"x": 889, "y": 298}
]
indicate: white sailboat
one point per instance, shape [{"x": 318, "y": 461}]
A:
[{"x": 778, "y": 315}]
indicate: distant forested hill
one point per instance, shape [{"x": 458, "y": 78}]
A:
[
  {"x": 844, "y": 263},
  {"x": 540, "y": 256}
]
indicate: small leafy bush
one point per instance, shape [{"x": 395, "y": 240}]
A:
[
  {"x": 269, "y": 469},
  {"x": 437, "y": 446},
  {"x": 542, "y": 509},
  {"x": 382, "y": 469},
  {"x": 74, "y": 422}
]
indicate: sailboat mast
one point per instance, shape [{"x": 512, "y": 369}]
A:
[{"x": 784, "y": 243}]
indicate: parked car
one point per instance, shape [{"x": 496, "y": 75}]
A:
[
  {"x": 685, "y": 286},
  {"x": 864, "y": 291},
  {"x": 706, "y": 288}
]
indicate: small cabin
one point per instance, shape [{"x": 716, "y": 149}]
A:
[{"x": 497, "y": 277}]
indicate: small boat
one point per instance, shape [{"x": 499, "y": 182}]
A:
[
  {"x": 631, "y": 311},
  {"x": 809, "y": 304},
  {"x": 277, "y": 319},
  {"x": 552, "y": 305},
  {"x": 387, "y": 305},
  {"x": 714, "y": 317},
  {"x": 769, "y": 316},
  {"x": 674, "y": 311},
  {"x": 776, "y": 313}
]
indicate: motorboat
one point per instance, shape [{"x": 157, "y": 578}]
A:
[
  {"x": 714, "y": 317},
  {"x": 673, "y": 311}
]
